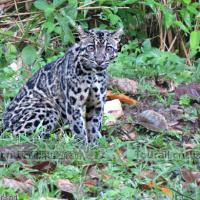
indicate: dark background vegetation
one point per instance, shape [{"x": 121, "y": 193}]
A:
[{"x": 161, "y": 37}]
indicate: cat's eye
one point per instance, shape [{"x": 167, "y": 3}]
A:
[
  {"x": 109, "y": 49},
  {"x": 90, "y": 48}
]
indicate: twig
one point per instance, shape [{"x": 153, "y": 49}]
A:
[
  {"x": 172, "y": 43},
  {"x": 14, "y": 22},
  {"x": 87, "y": 4},
  {"x": 26, "y": 41},
  {"x": 79, "y": 8},
  {"x": 186, "y": 53},
  {"x": 19, "y": 14},
  {"x": 22, "y": 31},
  {"x": 182, "y": 195},
  {"x": 99, "y": 8}
]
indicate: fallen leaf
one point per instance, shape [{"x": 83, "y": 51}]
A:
[
  {"x": 153, "y": 121},
  {"x": 196, "y": 175},
  {"x": 146, "y": 174},
  {"x": 90, "y": 182},
  {"x": 191, "y": 89},
  {"x": 189, "y": 146},
  {"x": 125, "y": 84},
  {"x": 152, "y": 185},
  {"x": 129, "y": 136},
  {"x": 122, "y": 97},
  {"x": 44, "y": 167},
  {"x": 147, "y": 186},
  {"x": 91, "y": 171},
  {"x": 67, "y": 186},
  {"x": 167, "y": 191},
  {"x": 127, "y": 127},
  {"x": 25, "y": 186},
  {"x": 120, "y": 152},
  {"x": 187, "y": 175}
]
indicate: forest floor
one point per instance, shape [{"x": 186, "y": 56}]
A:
[{"x": 132, "y": 160}]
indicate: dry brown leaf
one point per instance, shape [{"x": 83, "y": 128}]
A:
[
  {"x": 91, "y": 172},
  {"x": 189, "y": 146},
  {"x": 122, "y": 97},
  {"x": 25, "y": 186},
  {"x": 166, "y": 190},
  {"x": 146, "y": 174},
  {"x": 147, "y": 186},
  {"x": 67, "y": 186},
  {"x": 197, "y": 177},
  {"x": 129, "y": 136},
  {"x": 152, "y": 185},
  {"x": 90, "y": 182},
  {"x": 187, "y": 175},
  {"x": 128, "y": 127},
  {"x": 44, "y": 167}
]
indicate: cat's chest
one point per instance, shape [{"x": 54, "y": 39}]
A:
[{"x": 86, "y": 87}]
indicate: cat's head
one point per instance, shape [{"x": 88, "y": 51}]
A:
[{"x": 98, "y": 47}]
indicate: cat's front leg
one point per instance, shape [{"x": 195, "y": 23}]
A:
[
  {"x": 75, "y": 116},
  {"x": 94, "y": 115}
]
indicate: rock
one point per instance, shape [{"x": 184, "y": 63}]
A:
[
  {"x": 125, "y": 84},
  {"x": 113, "y": 111},
  {"x": 153, "y": 121}
]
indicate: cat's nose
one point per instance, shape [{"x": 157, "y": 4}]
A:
[{"x": 99, "y": 61}]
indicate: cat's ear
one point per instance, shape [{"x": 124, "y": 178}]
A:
[
  {"x": 117, "y": 34},
  {"x": 82, "y": 33}
]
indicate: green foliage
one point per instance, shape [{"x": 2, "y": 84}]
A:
[
  {"x": 29, "y": 55},
  {"x": 185, "y": 100},
  {"x": 195, "y": 42},
  {"x": 49, "y": 30},
  {"x": 139, "y": 61}
]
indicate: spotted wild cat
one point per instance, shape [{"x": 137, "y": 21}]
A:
[{"x": 63, "y": 89}]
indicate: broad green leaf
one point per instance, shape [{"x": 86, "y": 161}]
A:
[
  {"x": 11, "y": 52},
  {"x": 71, "y": 12},
  {"x": 1, "y": 51},
  {"x": 29, "y": 55},
  {"x": 57, "y": 3},
  {"x": 44, "y": 6},
  {"x": 147, "y": 45},
  {"x": 49, "y": 24},
  {"x": 41, "y": 4},
  {"x": 73, "y": 3},
  {"x": 187, "y": 1},
  {"x": 66, "y": 33},
  {"x": 192, "y": 10},
  {"x": 168, "y": 19},
  {"x": 194, "y": 41},
  {"x": 182, "y": 26}
]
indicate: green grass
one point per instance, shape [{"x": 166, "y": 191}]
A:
[
  {"x": 147, "y": 152},
  {"x": 118, "y": 162}
]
